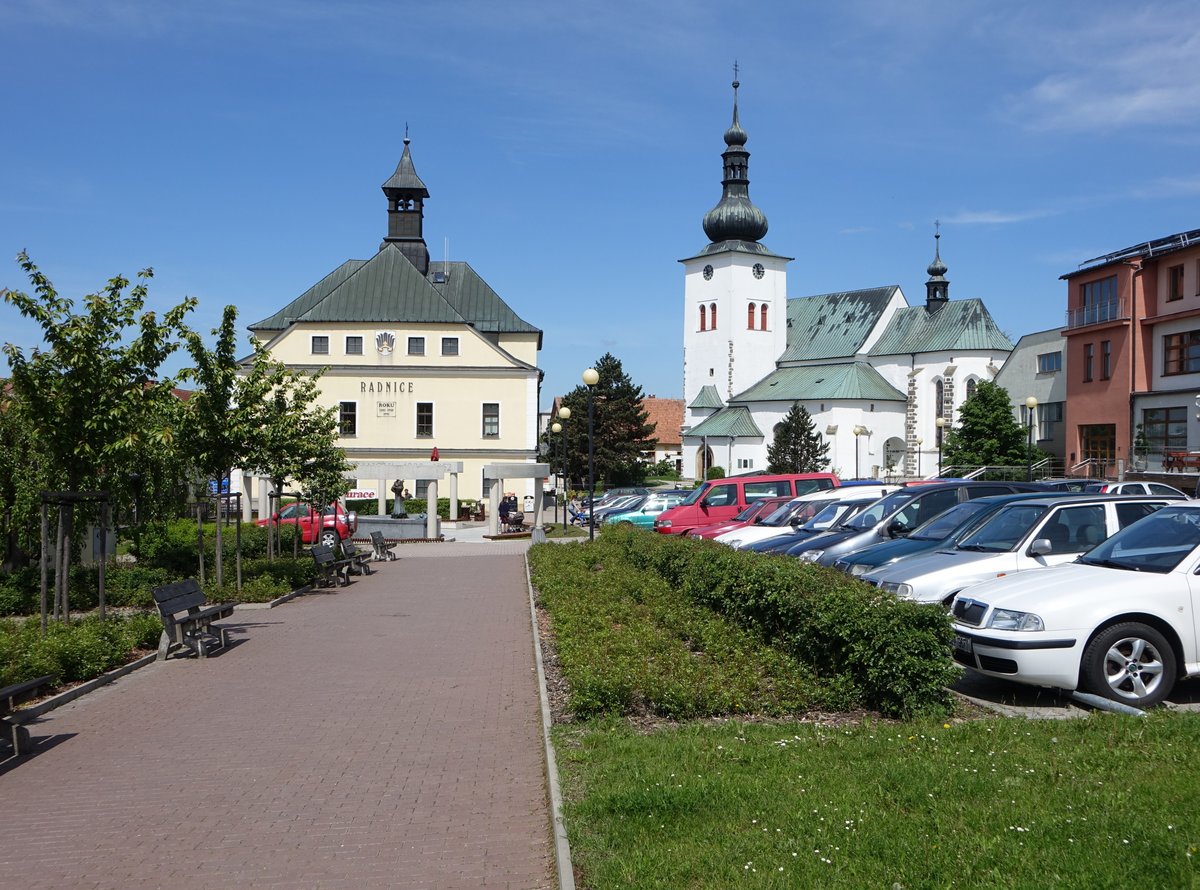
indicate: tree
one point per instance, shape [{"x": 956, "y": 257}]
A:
[
  {"x": 621, "y": 434},
  {"x": 987, "y": 433},
  {"x": 92, "y": 399},
  {"x": 798, "y": 447}
]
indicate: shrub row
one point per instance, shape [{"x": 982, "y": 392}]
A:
[
  {"x": 72, "y": 652},
  {"x": 890, "y": 655}
]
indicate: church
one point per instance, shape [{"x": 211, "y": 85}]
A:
[{"x": 880, "y": 378}]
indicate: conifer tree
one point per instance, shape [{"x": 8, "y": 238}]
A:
[{"x": 798, "y": 447}]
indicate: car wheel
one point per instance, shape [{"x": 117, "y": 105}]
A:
[
  {"x": 330, "y": 538},
  {"x": 1130, "y": 663}
]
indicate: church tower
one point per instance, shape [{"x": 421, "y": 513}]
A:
[
  {"x": 937, "y": 288},
  {"x": 406, "y": 212},
  {"x": 735, "y": 291}
]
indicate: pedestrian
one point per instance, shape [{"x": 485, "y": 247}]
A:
[
  {"x": 400, "y": 494},
  {"x": 505, "y": 509}
]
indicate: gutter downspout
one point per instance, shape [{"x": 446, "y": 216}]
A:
[{"x": 1134, "y": 333}]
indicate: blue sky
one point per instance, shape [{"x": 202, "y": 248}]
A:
[{"x": 571, "y": 150}]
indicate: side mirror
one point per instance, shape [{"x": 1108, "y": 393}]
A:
[
  {"x": 898, "y": 529},
  {"x": 794, "y": 522},
  {"x": 1040, "y": 547},
  {"x": 757, "y": 520}
]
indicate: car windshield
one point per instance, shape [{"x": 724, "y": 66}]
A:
[
  {"x": 831, "y": 514},
  {"x": 750, "y": 512},
  {"x": 944, "y": 524},
  {"x": 695, "y": 495},
  {"x": 871, "y": 517},
  {"x": 779, "y": 516},
  {"x": 1158, "y": 543},
  {"x": 1005, "y": 530}
]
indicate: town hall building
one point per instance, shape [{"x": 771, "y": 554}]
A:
[{"x": 880, "y": 378}]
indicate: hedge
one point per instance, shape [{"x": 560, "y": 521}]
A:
[
  {"x": 72, "y": 652},
  {"x": 891, "y": 655}
]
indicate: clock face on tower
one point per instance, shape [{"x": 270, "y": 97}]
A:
[
  {"x": 758, "y": 270},
  {"x": 708, "y": 273}
]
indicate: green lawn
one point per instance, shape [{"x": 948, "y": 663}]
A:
[{"x": 1099, "y": 802}]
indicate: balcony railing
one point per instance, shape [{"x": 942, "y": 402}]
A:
[{"x": 1097, "y": 313}]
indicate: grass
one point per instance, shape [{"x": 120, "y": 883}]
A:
[{"x": 1098, "y": 802}]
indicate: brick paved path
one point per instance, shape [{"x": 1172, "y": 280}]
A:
[{"x": 384, "y": 735}]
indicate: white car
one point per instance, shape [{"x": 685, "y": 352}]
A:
[
  {"x": 1120, "y": 622},
  {"x": 796, "y": 512},
  {"x": 1031, "y": 533}
]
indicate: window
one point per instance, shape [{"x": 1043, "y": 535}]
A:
[
  {"x": 1128, "y": 514},
  {"x": 354, "y": 346},
  {"x": 712, "y": 315},
  {"x": 762, "y": 314},
  {"x": 348, "y": 418},
  {"x": 750, "y": 317},
  {"x": 1089, "y": 352},
  {"x": 320, "y": 345},
  {"x": 424, "y": 418},
  {"x": 1100, "y": 300},
  {"x": 1165, "y": 428},
  {"x": 703, "y": 316},
  {"x": 745, "y": 463},
  {"x": 449, "y": 346},
  {"x": 939, "y": 407},
  {"x": 1049, "y": 415},
  {"x": 1175, "y": 283},
  {"x": 416, "y": 345},
  {"x": 1105, "y": 359},
  {"x": 757, "y": 491},
  {"x": 491, "y": 420},
  {"x": 421, "y": 489},
  {"x": 971, "y": 387},
  {"x": 1181, "y": 353},
  {"x": 721, "y": 496},
  {"x": 1050, "y": 362}
]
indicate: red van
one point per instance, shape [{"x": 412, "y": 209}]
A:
[{"x": 721, "y": 499}]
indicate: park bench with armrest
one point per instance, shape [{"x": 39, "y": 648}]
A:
[
  {"x": 11, "y": 719},
  {"x": 1181, "y": 460},
  {"x": 329, "y": 567},
  {"x": 383, "y": 550},
  {"x": 187, "y": 620},
  {"x": 360, "y": 560}
]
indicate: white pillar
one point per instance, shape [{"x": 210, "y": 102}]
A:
[
  {"x": 264, "y": 499},
  {"x": 494, "y": 493},
  {"x": 247, "y": 491},
  {"x": 539, "y": 486},
  {"x": 381, "y": 494},
  {"x": 453, "y": 497},
  {"x": 431, "y": 516}
]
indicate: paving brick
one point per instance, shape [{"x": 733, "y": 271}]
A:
[{"x": 384, "y": 735}]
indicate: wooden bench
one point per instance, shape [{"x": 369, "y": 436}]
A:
[
  {"x": 383, "y": 550},
  {"x": 360, "y": 560},
  {"x": 329, "y": 567},
  {"x": 187, "y": 621},
  {"x": 11, "y": 719},
  {"x": 1181, "y": 460}
]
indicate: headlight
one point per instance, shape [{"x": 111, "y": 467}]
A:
[
  {"x": 859, "y": 569},
  {"x": 662, "y": 523},
  {"x": 811, "y": 555},
  {"x": 735, "y": 544},
  {"x": 1007, "y": 619},
  {"x": 897, "y": 588}
]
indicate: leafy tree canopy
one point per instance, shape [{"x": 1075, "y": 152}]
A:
[{"x": 987, "y": 433}]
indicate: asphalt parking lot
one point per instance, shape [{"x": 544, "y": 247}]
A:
[{"x": 1039, "y": 703}]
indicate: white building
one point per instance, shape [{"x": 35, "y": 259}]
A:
[{"x": 875, "y": 373}]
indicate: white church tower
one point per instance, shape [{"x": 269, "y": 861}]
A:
[{"x": 734, "y": 293}]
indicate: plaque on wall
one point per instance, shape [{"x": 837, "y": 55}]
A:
[{"x": 385, "y": 409}]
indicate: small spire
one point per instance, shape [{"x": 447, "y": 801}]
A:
[{"x": 937, "y": 288}]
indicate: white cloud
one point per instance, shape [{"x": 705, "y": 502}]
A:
[{"x": 994, "y": 217}]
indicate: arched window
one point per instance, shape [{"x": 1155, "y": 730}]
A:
[
  {"x": 750, "y": 317},
  {"x": 763, "y": 313},
  {"x": 712, "y": 315},
  {"x": 970, "y": 387},
  {"x": 702, "y": 316}
]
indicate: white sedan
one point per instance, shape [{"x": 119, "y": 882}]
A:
[{"x": 1120, "y": 622}]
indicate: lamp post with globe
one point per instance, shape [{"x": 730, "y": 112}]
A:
[
  {"x": 590, "y": 379},
  {"x": 941, "y": 433}
]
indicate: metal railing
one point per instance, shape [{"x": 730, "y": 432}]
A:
[{"x": 1097, "y": 313}]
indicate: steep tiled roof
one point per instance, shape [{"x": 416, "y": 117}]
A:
[
  {"x": 958, "y": 324},
  {"x": 735, "y": 421},
  {"x": 708, "y": 397},
  {"x": 856, "y": 380},
  {"x": 667, "y": 417},
  {"x": 833, "y": 325}
]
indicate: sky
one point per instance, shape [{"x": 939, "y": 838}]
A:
[{"x": 572, "y": 149}]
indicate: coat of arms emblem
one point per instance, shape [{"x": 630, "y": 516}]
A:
[{"x": 385, "y": 342}]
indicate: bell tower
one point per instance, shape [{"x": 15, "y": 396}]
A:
[{"x": 406, "y": 195}]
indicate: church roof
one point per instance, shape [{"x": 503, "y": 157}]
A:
[
  {"x": 957, "y": 324},
  {"x": 388, "y": 288},
  {"x": 708, "y": 397},
  {"x": 856, "y": 380},
  {"x": 833, "y": 325},
  {"x": 734, "y": 421}
]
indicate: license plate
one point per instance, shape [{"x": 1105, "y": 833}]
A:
[{"x": 962, "y": 643}]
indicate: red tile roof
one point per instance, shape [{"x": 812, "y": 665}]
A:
[{"x": 667, "y": 416}]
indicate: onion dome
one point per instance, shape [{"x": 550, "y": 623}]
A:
[
  {"x": 937, "y": 288},
  {"x": 735, "y": 218}
]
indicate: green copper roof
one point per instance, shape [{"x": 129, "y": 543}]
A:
[
  {"x": 734, "y": 422},
  {"x": 833, "y": 325},
  {"x": 810, "y": 383},
  {"x": 388, "y": 288},
  {"x": 957, "y": 324},
  {"x": 708, "y": 397},
  {"x": 405, "y": 179}
]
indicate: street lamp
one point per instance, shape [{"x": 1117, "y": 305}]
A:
[
  {"x": 858, "y": 431},
  {"x": 1030, "y": 405},
  {"x": 920, "y": 442},
  {"x": 556, "y": 428},
  {"x": 940, "y": 423},
  {"x": 564, "y": 414},
  {"x": 590, "y": 379}
]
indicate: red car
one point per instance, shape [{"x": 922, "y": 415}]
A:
[
  {"x": 753, "y": 513},
  {"x": 336, "y": 523}
]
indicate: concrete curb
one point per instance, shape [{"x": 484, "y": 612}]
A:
[
  {"x": 562, "y": 849},
  {"x": 70, "y": 695},
  {"x": 278, "y": 601}
]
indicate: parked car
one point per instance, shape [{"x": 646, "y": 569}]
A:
[
  {"x": 898, "y": 514},
  {"x": 721, "y": 499},
  {"x": 799, "y": 511},
  {"x": 616, "y": 505},
  {"x": 1136, "y": 488},
  {"x": 944, "y": 530},
  {"x": 1067, "y": 484},
  {"x": 643, "y": 515},
  {"x": 1121, "y": 621},
  {"x": 753, "y": 513},
  {"x": 336, "y": 523},
  {"x": 1026, "y": 534},
  {"x": 830, "y": 514},
  {"x": 612, "y": 494}
]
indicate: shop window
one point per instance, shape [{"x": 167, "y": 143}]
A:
[{"x": 1165, "y": 428}]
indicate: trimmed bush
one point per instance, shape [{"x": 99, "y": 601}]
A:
[{"x": 72, "y": 652}]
